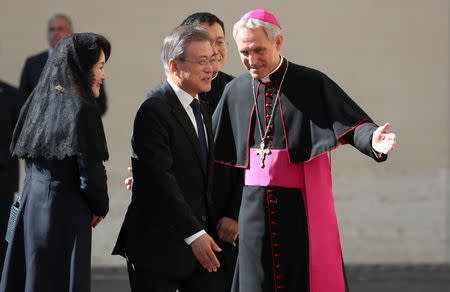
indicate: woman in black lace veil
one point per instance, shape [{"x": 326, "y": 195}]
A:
[{"x": 60, "y": 136}]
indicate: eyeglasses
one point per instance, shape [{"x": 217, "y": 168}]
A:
[{"x": 204, "y": 62}]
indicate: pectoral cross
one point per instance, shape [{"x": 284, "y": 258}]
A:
[{"x": 262, "y": 152}]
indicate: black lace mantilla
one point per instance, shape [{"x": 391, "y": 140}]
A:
[{"x": 60, "y": 118}]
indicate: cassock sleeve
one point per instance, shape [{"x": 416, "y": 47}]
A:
[
  {"x": 362, "y": 140},
  {"x": 351, "y": 125},
  {"x": 227, "y": 191}
]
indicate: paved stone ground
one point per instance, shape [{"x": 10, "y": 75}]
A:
[{"x": 362, "y": 278}]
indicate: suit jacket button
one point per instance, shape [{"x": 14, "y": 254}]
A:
[{"x": 204, "y": 218}]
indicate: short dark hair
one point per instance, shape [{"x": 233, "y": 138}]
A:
[{"x": 200, "y": 17}]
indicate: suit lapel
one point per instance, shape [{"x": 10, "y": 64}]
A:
[{"x": 185, "y": 122}]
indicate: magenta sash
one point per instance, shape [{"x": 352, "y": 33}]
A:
[
  {"x": 277, "y": 171},
  {"x": 314, "y": 178}
]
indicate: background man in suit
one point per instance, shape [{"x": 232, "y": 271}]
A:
[
  {"x": 59, "y": 25},
  {"x": 11, "y": 101},
  {"x": 163, "y": 236}
]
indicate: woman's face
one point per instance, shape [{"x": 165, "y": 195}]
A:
[{"x": 97, "y": 75}]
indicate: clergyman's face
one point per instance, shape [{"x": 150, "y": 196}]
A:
[
  {"x": 57, "y": 29},
  {"x": 195, "y": 70},
  {"x": 97, "y": 75},
  {"x": 258, "y": 54},
  {"x": 217, "y": 36}
]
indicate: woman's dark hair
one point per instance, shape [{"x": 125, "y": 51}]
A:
[
  {"x": 60, "y": 117},
  {"x": 90, "y": 56}
]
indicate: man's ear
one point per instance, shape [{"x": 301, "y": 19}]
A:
[
  {"x": 279, "y": 41},
  {"x": 173, "y": 66}
]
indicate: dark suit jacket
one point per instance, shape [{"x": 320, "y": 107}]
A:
[
  {"x": 171, "y": 189},
  {"x": 32, "y": 71},
  {"x": 10, "y": 101}
]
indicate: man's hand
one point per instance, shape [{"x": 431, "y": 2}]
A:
[
  {"x": 129, "y": 181},
  {"x": 95, "y": 220},
  {"x": 382, "y": 141},
  {"x": 227, "y": 229},
  {"x": 203, "y": 249}
]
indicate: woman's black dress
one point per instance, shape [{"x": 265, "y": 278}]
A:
[{"x": 51, "y": 245}]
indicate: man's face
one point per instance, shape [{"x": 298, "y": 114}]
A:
[
  {"x": 258, "y": 54},
  {"x": 57, "y": 29},
  {"x": 195, "y": 71},
  {"x": 217, "y": 36}
]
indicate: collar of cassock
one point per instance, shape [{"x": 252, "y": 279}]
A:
[{"x": 273, "y": 73}]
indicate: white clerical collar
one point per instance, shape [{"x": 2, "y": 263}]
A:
[
  {"x": 50, "y": 51},
  {"x": 184, "y": 97},
  {"x": 267, "y": 78}
]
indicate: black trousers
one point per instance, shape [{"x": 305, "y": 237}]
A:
[
  {"x": 227, "y": 258},
  {"x": 200, "y": 280}
]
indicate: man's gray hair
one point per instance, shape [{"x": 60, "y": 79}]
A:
[
  {"x": 63, "y": 16},
  {"x": 176, "y": 42},
  {"x": 271, "y": 29}
]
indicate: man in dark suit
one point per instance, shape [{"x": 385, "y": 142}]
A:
[
  {"x": 227, "y": 206},
  {"x": 59, "y": 25},
  {"x": 164, "y": 235},
  {"x": 11, "y": 101}
]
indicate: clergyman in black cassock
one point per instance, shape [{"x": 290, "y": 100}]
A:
[{"x": 277, "y": 124}]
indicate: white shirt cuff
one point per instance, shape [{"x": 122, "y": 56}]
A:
[{"x": 191, "y": 238}]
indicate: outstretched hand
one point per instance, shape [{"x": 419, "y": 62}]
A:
[
  {"x": 203, "y": 249},
  {"x": 382, "y": 141}
]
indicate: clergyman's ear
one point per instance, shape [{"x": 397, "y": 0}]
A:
[{"x": 279, "y": 41}]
